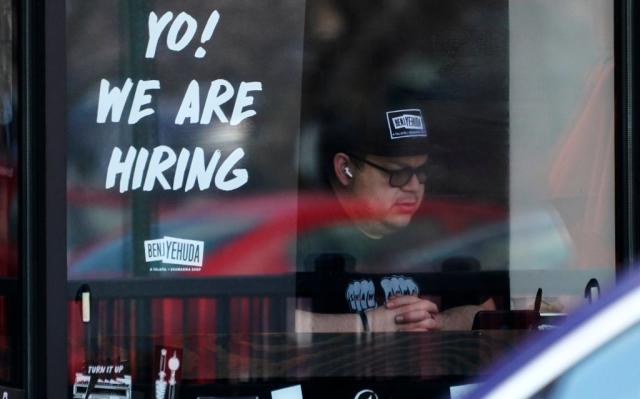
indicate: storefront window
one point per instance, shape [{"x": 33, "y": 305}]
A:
[{"x": 251, "y": 187}]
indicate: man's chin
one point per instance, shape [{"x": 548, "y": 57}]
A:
[{"x": 397, "y": 222}]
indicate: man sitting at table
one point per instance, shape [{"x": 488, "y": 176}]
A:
[{"x": 377, "y": 171}]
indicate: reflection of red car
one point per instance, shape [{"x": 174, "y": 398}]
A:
[
  {"x": 8, "y": 220},
  {"x": 9, "y": 329},
  {"x": 253, "y": 236},
  {"x": 270, "y": 245}
]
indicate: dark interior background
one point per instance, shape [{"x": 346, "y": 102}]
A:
[{"x": 450, "y": 57}]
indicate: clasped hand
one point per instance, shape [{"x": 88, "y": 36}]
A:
[{"x": 405, "y": 313}]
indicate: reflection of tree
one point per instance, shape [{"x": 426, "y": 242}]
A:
[
  {"x": 445, "y": 56},
  {"x": 355, "y": 59}
]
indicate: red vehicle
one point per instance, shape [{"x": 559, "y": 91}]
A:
[
  {"x": 256, "y": 236},
  {"x": 242, "y": 238}
]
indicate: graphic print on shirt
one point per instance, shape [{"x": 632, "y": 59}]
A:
[
  {"x": 361, "y": 295},
  {"x": 398, "y": 285}
]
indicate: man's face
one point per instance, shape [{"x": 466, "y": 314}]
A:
[{"x": 391, "y": 207}]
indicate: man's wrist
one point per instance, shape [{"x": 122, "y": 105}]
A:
[{"x": 443, "y": 319}]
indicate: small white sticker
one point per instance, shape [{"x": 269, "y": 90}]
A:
[{"x": 174, "y": 251}]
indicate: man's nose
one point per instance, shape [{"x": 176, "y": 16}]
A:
[{"x": 413, "y": 184}]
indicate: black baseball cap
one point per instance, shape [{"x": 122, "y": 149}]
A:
[{"x": 385, "y": 131}]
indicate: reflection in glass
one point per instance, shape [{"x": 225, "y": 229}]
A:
[{"x": 518, "y": 193}]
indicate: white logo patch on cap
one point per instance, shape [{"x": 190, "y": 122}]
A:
[{"x": 406, "y": 123}]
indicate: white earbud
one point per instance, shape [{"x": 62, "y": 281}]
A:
[{"x": 347, "y": 172}]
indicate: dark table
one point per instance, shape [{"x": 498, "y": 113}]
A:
[
  {"x": 300, "y": 356},
  {"x": 232, "y": 364}
]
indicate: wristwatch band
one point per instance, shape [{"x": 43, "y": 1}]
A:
[{"x": 365, "y": 320}]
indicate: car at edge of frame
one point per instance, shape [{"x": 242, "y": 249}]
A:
[{"x": 594, "y": 354}]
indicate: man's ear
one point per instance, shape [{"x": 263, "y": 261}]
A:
[{"x": 342, "y": 168}]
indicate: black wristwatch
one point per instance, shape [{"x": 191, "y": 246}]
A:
[{"x": 365, "y": 320}]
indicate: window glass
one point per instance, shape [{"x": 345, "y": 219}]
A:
[
  {"x": 561, "y": 149},
  {"x": 206, "y": 149},
  {"x": 249, "y": 180}
]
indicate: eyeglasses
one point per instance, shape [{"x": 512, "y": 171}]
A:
[{"x": 399, "y": 177}]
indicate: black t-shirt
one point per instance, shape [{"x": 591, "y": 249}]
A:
[
  {"x": 352, "y": 272},
  {"x": 350, "y": 292}
]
